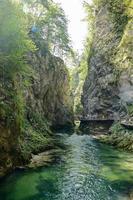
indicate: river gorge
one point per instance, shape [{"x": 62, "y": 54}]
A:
[{"x": 66, "y": 116}]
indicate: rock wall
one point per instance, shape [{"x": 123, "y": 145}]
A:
[
  {"x": 50, "y": 93},
  {"x": 108, "y": 88},
  {"x": 48, "y": 103}
]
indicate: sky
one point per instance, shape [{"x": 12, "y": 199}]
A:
[{"x": 76, "y": 27}]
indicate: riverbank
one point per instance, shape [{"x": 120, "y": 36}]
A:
[{"x": 119, "y": 136}]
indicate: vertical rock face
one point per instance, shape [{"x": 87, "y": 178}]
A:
[
  {"x": 48, "y": 99},
  {"x": 108, "y": 87},
  {"x": 50, "y": 92},
  {"x": 124, "y": 58}
]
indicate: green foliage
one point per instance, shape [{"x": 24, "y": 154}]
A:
[
  {"x": 38, "y": 122},
  {"x": 34, "y": 141},
  {"x": 90, "y": 18},
  {"x": 116, "y": 128},
  {"x": 118, "y": 15},
  {"x": 14, "y": 40},
  {"x": 76, "y": 87},
  {"x": 119, "y": 10},
  {"x": 50, "y": 20},
  {"x": 124, "y": 59},
  {"x": 130, "y": 109},
  {"x": 14, "y": 45},
  {"x": 120, "y": 137}
]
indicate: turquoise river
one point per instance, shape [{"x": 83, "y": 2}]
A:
[{"x": 89, "y": 170}]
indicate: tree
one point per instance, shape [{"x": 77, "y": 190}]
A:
[
  {"x": 14, "y": 46},
  {"x": 51, "y": 23}
]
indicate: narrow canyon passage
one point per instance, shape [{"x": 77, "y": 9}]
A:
[
  {"x": 89, "y": 171},
  {"x": 66, "y": 100}
]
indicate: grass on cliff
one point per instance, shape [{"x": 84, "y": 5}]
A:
[
  {"x": 34, "y": 142},
  {"x": 36, "y": 136}
]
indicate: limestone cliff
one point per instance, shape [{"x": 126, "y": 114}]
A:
[
  {"x": 50, "y": 92},
  {"x": 108, "y": 88},
  {"x": 48, "y": 103}
]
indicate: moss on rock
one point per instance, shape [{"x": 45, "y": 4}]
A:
[{"x": 119, "y": 137}]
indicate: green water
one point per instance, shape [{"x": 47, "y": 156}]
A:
[{"x": 89, "y": 171}]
